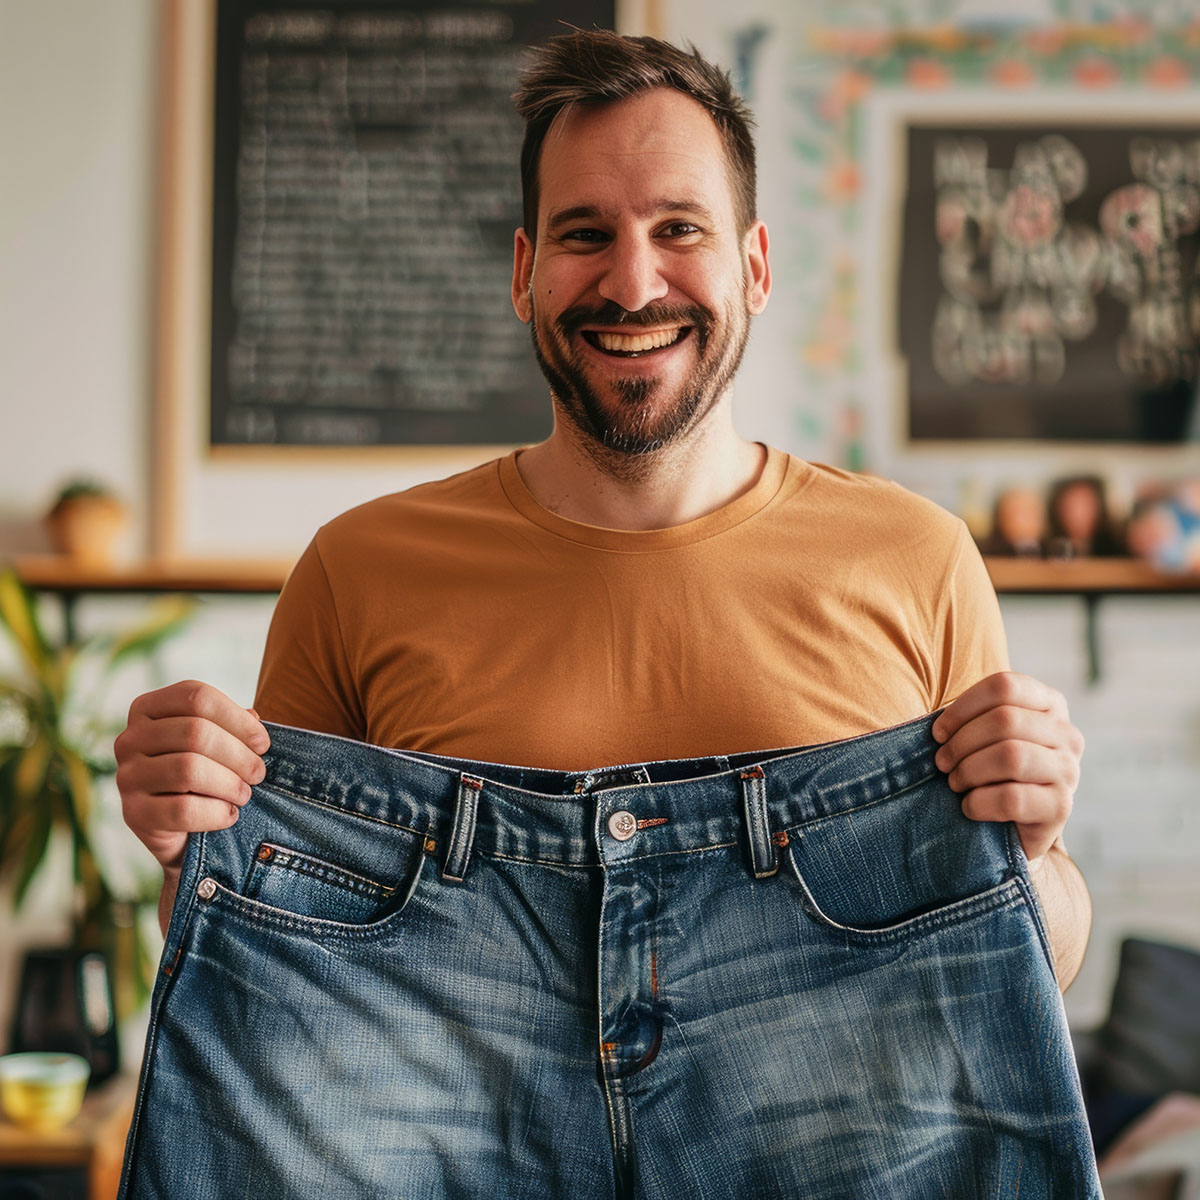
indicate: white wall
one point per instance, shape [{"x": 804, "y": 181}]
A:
[
  {"x": 76, "y": 209},
  {"x": 76, "y": 206}
]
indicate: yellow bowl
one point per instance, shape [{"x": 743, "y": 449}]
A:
[{"x": 42, "y": 1091}]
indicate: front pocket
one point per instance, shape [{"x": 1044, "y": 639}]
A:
[
  {"x": 901, "y": 865},
  {"x": 307, "y": 886}
]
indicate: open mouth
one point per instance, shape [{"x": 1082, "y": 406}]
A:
[{"x": 633, "y": 345}]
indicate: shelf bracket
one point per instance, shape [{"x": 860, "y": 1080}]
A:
[{"x": 1091, "y": 636}]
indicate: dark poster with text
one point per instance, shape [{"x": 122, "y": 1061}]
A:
[{"x": 1049, "y": 285}]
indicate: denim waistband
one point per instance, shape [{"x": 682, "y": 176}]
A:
[{"x": 552, "y": 816}]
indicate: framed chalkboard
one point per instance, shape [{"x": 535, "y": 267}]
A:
[{"x": 1048, "y": 287}]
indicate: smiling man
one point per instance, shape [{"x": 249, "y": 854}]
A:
[
  {"x": 707, "y": 864},
  {"x": 638, "y": 290}
]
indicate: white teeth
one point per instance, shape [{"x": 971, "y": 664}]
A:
[{"x": 635, "y": 343}]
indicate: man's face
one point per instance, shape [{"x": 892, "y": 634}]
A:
[{"x": 640, "y": 289}]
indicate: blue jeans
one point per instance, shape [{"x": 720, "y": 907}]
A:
[{"x": 798, "y": 974}]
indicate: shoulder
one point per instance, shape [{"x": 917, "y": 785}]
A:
[
  {"x": 427, "y": 510},
  {"x": 868, "y": 509}
]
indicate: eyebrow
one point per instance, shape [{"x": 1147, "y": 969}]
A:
[{"x": 591, "y": 212}]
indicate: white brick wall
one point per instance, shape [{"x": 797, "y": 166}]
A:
[{"x": 1135, "y": 831}]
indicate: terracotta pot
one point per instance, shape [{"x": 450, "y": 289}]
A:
[{"x": 86, "y": 528}]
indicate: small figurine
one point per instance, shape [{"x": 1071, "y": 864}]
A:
[
  {"x": 1165, "y": 528},
  {"x": 1018, "y": 524},
  {"x": 1080, "y": 523}
]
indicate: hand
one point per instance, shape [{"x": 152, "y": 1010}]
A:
[
  {"x": 1011, "y": 751},
  {"x": 185, "y": 763}
]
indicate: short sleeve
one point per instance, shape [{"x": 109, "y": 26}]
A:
[
  {"x": 305, "y": 678},
  {"x": 973, "y": 641}
]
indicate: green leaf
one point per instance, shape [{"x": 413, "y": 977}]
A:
[
  {"x": 79, "y": 790},
  {"x": 32, "y": 769},
  {"x": 166, "y": 617},
  {"x": 35, "y": 851},
  {"x": 18, "y": 614},
  {"x": 8, "y": 805}
]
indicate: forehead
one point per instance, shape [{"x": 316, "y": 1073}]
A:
[{"x": 658, "y": 143}]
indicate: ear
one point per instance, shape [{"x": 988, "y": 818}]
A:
[
  {"x": 758, "y": 268},
  {"x": 522, "y": 274}
]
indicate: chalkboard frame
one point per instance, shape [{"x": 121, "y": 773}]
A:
[
  {"x": 207, "y": 502},
  {"x": 887, "y": 114}
]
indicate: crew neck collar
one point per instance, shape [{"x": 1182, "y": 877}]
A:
[{"x": 740, "y": 509}]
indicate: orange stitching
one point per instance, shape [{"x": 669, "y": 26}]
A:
[{"x": 647, "y": 822}]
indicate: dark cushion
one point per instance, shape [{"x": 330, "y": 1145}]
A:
[{"x": 1150, "y": 1043}]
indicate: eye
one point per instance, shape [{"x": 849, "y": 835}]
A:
[{"x": 585, "y": 237}]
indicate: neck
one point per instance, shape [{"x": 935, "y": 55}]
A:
[{"x": 710, "y": 467}]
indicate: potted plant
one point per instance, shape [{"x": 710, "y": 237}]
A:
[
  {"x": 85, "y": 521},
  {"x": 54, "y": 747}
]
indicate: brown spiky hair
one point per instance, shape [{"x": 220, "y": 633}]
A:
[{"x": 597, "y": 66}]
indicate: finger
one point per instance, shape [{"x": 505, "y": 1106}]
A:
[
  {"x": 1035, "y": 805},
  {"x": 190, "y": 697},
  {"x": 195, "y": 735},
  {"x": 1007, "y": 688},
  {"x": 182, "y": 774},
  {"x": 1010, "y": 724},
  {"x": 1015, "y": 762},
  {"x": 160, "y": 816},
  {"x": 1038, "y": 812}
]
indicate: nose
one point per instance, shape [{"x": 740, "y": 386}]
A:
[{"x": 632, "y": 274}]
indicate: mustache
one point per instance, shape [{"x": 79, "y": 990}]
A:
[{"x": 572, "y": 320}]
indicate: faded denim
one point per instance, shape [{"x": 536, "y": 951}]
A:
[{"x": 794, "y": 974}]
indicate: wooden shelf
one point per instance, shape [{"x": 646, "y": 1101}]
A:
[
  {"x": 1021, "y": 576},
  {"x": 1085, "y": 576},
  {"x": 50, "y": 573}
]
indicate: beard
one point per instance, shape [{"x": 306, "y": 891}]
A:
[{"x": 639, "y": 418}]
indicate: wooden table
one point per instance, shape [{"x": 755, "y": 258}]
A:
[{"x": 93, "y": 1144}]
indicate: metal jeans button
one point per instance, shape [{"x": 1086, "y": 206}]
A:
[{"x": 622, "y": 825}]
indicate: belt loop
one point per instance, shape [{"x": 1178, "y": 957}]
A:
[
  {"x": 462, "y": 836},
  {"x": 764, "y": 860}
]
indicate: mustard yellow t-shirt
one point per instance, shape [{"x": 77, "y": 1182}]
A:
[{"x": 462, "y": 618}]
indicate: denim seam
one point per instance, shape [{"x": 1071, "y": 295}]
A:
[
  {"x": 823, "y": 818},
  {"x": 542, "y": 862},
  {"x": 318, "y": 928},
  {"x": 538, "y": 862},
  {"x": 1030, "y": 894},
  {"x": 162, "y": 990},
  {"x": 312, "y": 867},
  {"x": 953, "y": 913},
  {"x": 345, "y": 812},
  {"x": 671, "y": 853}
]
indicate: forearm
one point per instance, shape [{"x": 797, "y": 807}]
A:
[{"x": 1067, "y": 908}]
